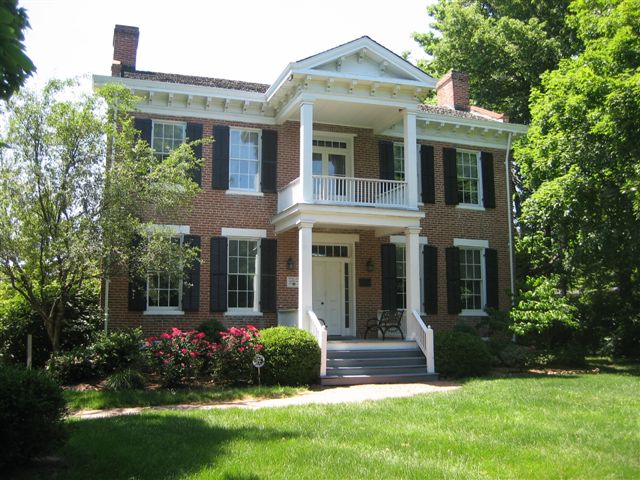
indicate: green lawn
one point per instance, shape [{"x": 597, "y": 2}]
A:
[
  {"x": 537, "y": 427},
  {"x": 101, "y": 399}
]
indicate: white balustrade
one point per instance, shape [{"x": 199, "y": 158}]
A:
[
  {"x": 423, "y": 337},
  {"x": 360, "y": 191},
  {"x": 319, "y": 331}
]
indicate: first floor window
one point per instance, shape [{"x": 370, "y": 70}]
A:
[
  {"x": 164, "y": 291},
  {"x": 242, "y": 274},
  {"x": 244, "y": 159},
  {"x": 471, "y": 283},
  {"x": 166, "y": 137},
  {"x": 468, "y": 170},
  {"x": 401, "y": 276}
]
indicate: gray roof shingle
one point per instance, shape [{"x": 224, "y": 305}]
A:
[{"x": 200, "y": 81}]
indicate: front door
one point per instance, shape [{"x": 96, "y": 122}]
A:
[{"x": 328, "y": 293}]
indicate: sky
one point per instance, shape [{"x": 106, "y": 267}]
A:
[{"x": 240, "y": 40}]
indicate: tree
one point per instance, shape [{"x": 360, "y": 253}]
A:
[
  {"x": 580, "y": 166},
  {"x": 76, "y": 186},
  {"x": 505, "y": 45},
  {"x": 15, "y": 65}
]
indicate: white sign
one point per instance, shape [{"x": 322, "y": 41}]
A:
[{"x": 292, "y": 282}]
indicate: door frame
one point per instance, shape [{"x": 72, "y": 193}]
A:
[{"x": 349, "y": 241}]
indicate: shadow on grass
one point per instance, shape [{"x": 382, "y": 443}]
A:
[{"x": 153, "y": 446}]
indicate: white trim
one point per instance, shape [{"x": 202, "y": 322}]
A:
[
  {"x": 258, "y": 177},
  {"x": 473, "y": 313},
  {"x": 162, "y": 311},
  {"x": 340, "y": 238},
  {"x": 177, "y": 229},
  {"x": 401, "y": 239},
  {"x": 470, "y": 206},
  {"x": 244, "y": 233},
  {"x": 248, "y": 193},
  {"x": 325, "y": 134},
  {"x": 242, "y": 312},
  {"x": 471, "y": 243}
]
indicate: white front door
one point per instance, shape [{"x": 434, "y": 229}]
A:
[{"x": 328, "y": 293}]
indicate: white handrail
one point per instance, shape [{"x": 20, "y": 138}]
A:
[
  {"x": 319, "y": 331},
  {"x": 360, "y": 191},
  {"x": 424, "y": 339}
]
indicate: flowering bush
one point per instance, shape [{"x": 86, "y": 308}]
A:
[
  {"x": 180, "y": 356},
  {"x": 235, "y": 353}
]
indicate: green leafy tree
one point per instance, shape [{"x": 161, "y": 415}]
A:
[
  {"x": 15, "y": 65},
  {"x": 76, "y": 186},
  {"x": 505, "y": 45},
  {"x": 580, "y": 167}
]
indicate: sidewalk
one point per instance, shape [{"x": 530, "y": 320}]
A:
[{"x": 326, "y": 395}]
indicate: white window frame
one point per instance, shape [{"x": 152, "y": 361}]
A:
[
  {"x": 179, "y": 232},
  {"x": 401, "y": 240},
  {"x": 480, "y": 245},
  {"x": 257, "y": 190},
  {"x": 336, "y": 137},
  {"x": 472, "y": 206},
  {"x": 418, "y": 166},
  {"x": 166, "y": 122},
  {"x": 255, "y": 235}
]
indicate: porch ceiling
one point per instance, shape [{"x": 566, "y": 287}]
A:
[{"x": 353, "y": 114}]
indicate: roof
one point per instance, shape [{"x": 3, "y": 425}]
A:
[
  {"x": 455, "y": 113},
  {"x": 194, "y": 80}
]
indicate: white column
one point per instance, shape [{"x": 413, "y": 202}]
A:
[
  {"x": 305, "y": 273},
  {"x": 410, "y": 157},
  {"x": 413, "y": 273},
  {"x": 306, "y": 151}
]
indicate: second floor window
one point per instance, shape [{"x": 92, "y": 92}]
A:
[
  {"x": 398, "y": 161},
  {"x": 166, "y": 137},
  {"x": 468, "y": 170},
  {"x": 244, "y": 160}
]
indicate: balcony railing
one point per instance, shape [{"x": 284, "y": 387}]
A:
[{"x": 362, "y": 192}]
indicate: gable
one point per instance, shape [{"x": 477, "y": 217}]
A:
[{"x": 364, "y": 64}]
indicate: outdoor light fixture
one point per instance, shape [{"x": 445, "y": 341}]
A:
[
  {"x": 290, "y": 263},
  {"x": 369, "y": 265}
]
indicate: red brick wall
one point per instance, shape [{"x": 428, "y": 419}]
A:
[
  {"x": 452, "y": 90},
  {"x": 125, "y": 47},
  {"x": 214, "y": 209}
]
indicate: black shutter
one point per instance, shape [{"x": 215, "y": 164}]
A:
[
  {"x": 491, "y": 270},
  {"x": 488, "y": 187},
  {"x": 218, "y": 287},
  {"x": 191, "y": 285},
  {"x": 220, "y": 163},
  {"x": 430, "y": 258},
  {"x": 427, "y": 173},
  {"x": 143, "y": 125},
  {"x": 385, "y": 150},
  {"x": 137, "y": 294},
  {"x": 453, "y": 279},
  {"x": 388, "y": 276},
  {"x": 269, "y": 160},
  {"x": 450, "y": 176},
  {"x": 194, "y": 132},
  {"x": 268, "y": 257}
]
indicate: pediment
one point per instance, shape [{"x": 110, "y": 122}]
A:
[{"x": 365, "y": 58}]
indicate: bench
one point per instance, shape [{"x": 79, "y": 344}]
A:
[{"x": 389, "y": 320}]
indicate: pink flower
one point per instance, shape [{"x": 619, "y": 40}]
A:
[
  {"x": 235, "y": 331},
  {"x": 194, "y": 341},
  {"x": 165, "y": 336},
  {"x": 193, "y": 354},
  {"x": 184, "y": 351},
  {"x": 241, "y": 349},
  {"x": 175, "y": 331},
  {"x": 151, "y": 339},
  {"x": 252, "y": 328},
  {"x": 259, "y": 347},
  {"x": 200, "y": 335}
]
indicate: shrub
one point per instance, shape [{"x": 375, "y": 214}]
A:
[
  {"x": 516, "y": 356},
  {"x": 128, "y": 379},
  {"x": 179, "y": 356},
  {"x": 459, "y": 354},
  {"x": 464, "y": 328},
  {"x": 212, "y": 329},
  {"x": 32, "y": 411},
  {"x": 109, "y": 353},
  {"x": 292, "y": 356},
  {"x": 235, "y": 354}
]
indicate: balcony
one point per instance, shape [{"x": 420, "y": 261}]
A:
[{"x": 348, "y": 191}]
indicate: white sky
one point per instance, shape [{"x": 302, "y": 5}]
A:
[{"x": 247, "y": 40}]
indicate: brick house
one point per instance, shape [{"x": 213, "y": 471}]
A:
[{"x": 312, "y": 206}]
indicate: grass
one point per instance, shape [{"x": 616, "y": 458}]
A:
[
  {"x": 102, "y": 399},
  {"x": 579, "y": 426}
]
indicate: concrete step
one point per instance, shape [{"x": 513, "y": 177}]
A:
[
  {"x": 378, "y": 370},
  {"x": 368, "y": 379},
  {"x": 374, "y": 362}
]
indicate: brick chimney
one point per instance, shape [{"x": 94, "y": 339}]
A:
[
  {"x": 453, "y": 90},
  {"x": 125, "y": 48}
]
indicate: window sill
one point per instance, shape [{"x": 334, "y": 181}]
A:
[
  {"x": 242, "y": 313},
  {"x": 470, "y": 206},
  {"x": 473, "y": 313},
  {"x": 162, "y": 312},
  {"x": 244, "y": 192}
]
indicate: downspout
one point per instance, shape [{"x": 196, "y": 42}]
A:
[{"x": 512, "y": 272}]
